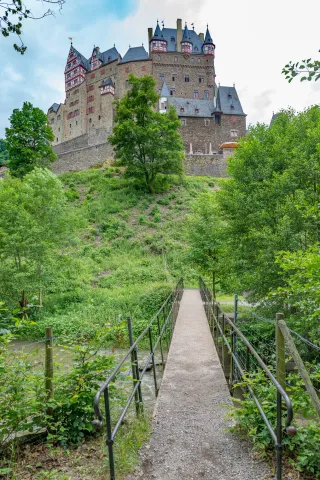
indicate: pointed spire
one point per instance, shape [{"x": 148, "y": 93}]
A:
[
  {"x": 165, "y": 90},
  {"x": 186, "y": 34},
  {"x": 208, "y": 38},
  {"x": 157, "y": 33}
]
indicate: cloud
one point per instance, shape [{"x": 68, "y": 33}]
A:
[{"x": 11, "y": 74}]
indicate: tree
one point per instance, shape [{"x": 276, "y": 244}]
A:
[
  {"x": 146, "y": 142},
  {"x": 3, "y": 152},
  {"x": 310, "y": 69},
  {"x": 34, "y": 224},
  {"x": 271, "y": 202},
  {"x": 14, "y": 12},
  {"x": 28, "y": 140},
  {"x": 206, "y": 237}
]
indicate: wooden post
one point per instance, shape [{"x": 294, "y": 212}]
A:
[
  {"x": 280, "y": 353},
  {"x": 49, "y": 368},
  {"x": 300, "y": 366}
]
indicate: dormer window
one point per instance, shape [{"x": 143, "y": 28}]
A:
[
  {"x": 197, "y": 110},
  {"x": 182, "y": 109},
  {"x": 109, "y": 59},
  {"x": 196, "y": 49},
  {"x": 232, "y": 107},
  {"x": 173, "y": 39}
]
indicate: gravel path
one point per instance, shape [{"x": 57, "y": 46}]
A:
[{"x": 190, "y": 439}]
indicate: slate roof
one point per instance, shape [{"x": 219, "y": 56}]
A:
[
  {"x": 157, "y": 34},
  {"x": 135, "y": 54},
  {"x": 205, "y": 107},
  {"x": 208, "y": 38},
  {"x": 186, "y": 35},
  {"x": 83, "y": 61},
  {"x": 112, "y": 53},
  {"x": 165, "y": 90},
  {"x": 228, "y": 101},
  {"x": 55, "y": 107},
  {"x": 274, "y": 117},
  {"x": 107, "y": 81},
  {"x": 169, "y": 33}
]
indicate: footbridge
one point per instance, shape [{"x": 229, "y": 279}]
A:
[{"x": 198, "y": 347}]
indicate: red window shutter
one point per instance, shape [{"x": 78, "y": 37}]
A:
[
  {"x": 144, "y": 68},
  {"x": 92, "y": 98},
  {"x": 92, "y": 75},
  {"x": 87, "y": 111},
  {"x": 92, "y": 109},
  {"x": 127, "y": 70},
  {"x": 102, "y": 72}
]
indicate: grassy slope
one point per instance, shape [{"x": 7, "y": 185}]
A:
[{"x": 131, "y": 250}]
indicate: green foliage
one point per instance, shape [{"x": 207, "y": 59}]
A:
[
  {"x": 301, "y": 448},
  {"x": 28, "y": 140},
  {"x": 206, "y": 237},
  {"x": 34, "y": 221},
  {"x": 3, "y": 153},
  {"x": 308, "y": 69},
  {"x": 13, "y": 16},
  {"x": 270, "y": 204},
  {"x": 146, "y": 142}
]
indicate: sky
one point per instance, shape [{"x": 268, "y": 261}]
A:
[{"x": 254, "y": 40}]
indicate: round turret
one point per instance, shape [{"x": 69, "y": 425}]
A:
[
  {"x": 158, "y": 42},
  {"x": 208, "y": 45},
  {"x": 186, "y": 42}
]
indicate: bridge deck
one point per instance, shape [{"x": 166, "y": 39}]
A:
[{"x": 190, "y": 438}]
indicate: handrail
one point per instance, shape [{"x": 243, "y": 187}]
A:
[
  {"x": 169, "y": 314},
  {"x": 281, "y": 394}
]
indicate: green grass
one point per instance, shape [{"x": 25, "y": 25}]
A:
[{"x": 130, "y": 250}]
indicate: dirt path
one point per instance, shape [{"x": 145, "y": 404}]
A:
[{"x": 190, "y": 438}]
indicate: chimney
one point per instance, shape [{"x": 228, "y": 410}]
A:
[
  {"x": 150, "y": 35},
  {"x": 179, "y": 34},
  {"x": 201, "y": 35}
]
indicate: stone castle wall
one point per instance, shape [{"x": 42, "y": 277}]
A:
[
  {"x": 83, "y": 158},
  {"x": 206, "y": 165}
]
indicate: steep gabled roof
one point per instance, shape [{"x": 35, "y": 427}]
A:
[
  {"x": 83, "y": 61},
  {"x": 110, "y": 55},
  {"x": 208, "y": 38},
  {"x": 157, "y": 34},
  {"x": 186, "y": 35},
  {"x": 228, "y": 101},
  {"x": 135, "y": 54}
]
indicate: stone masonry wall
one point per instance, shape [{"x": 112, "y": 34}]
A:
[
  {"x": 83, "y": 158},
  {"x": 74, "y": 144},
  {"x": 206, "y": 165}
]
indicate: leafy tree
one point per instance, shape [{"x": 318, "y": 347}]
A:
[
  {"x": 146, "y": 142},
  {"x": 28, "y": 140},
  {"x": 3, "y": 152},
  {"x": 34, "y": 224},
  {"x": 309, "y": 69},
  {"x": 271, "y": 203},
  {"x": 14, "y": 13},
  {"x": 206, "y": 237}
]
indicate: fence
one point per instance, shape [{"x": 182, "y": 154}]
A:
[
  {"x": 237, "y": 355},
  {"x": 160, "y": 327}
]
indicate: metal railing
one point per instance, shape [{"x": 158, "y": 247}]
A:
[
  {"x": 222, "y": 327},
  {"x": 162, "y": 324}
]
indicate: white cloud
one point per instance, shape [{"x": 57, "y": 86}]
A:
[{"x": 11, "y": 74}]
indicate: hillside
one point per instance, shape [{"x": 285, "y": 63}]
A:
[{"x": 129, "y": 249}]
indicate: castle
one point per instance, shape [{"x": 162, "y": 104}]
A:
[{"x": 182, "y": 64}]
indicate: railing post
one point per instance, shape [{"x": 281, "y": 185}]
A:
[
  {"x": 49, "y": 368},
  {"x": 153, "y": 363},
  {"x": 281, "y": 377},
  {"x": 135, "y": 369},
  {"x": 109, "y": 441},
  {"x": 222, "y": 345},
  {"x": 160, "y": 341},
  {"x": 231, "y": 378}
]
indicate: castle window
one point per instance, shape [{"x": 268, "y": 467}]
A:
[
  {"x": 127, "y": 69},
  {"x": 173, "y": 39},
  {"x": 58, "y": 117},
  {"x": 99, "y": 117},
  {"x": 206, "y": 95},
  {"x": 234, "y": 133},
  {"x": 102, "y": 72},
  {"x": 172, "y": 92},
  {"x": 217, "y": 119},
  {"x": 109, "y": 58},
  {"x": 192, "y": 59},
  {"x": 182, "y": 109},
  {"x": 93, "y": 75},
  {"x": 196, "y": 49},
  {"x": 158, "y": 57},
  {"x": 175, "y": 59},
  {"x": 161, "y": 75},
  {"x": 90, "y": 120},
  {"x": 183, "y": 122},
  {"x": 57, "y": 139},
  {"x": 70, "y": 125},
  {"x": 186, "y": 78},
  {"x": 52, "y": 120},
  {"x": 201, "y": 79},
  {"x": 195, "y": 94},
  {"x": 174, "y": 77},
  {"x": 59, "y": 129},
  {"x": 127, "y": 84},
  {"x": 143, "y": 68},
  {"x": 232, "y": 107},
  {"x": 206, "y": 122},
  {"x": 91, "y": 109},
  {"x": 197, "y": 110}
]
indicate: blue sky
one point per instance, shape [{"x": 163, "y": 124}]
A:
[{"x": 253, "y": 40}]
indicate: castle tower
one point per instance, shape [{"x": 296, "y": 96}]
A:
[
  {"x": 186, "y": 43},
  {"x": 158, "y": 42},
  {"x": 96, "y": 59},
  {"x": 208, "y": 46},
  {"x": 76, "y": 68}
]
